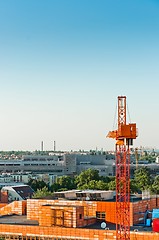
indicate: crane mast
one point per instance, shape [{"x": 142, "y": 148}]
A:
[{"x": 124, "y": 136}]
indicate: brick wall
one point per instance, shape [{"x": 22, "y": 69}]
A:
[
  {"x": 91, "y": 207},
  {"x": 140, "y": 207},
  {"x": 4, "y": 196},
  {"x": 71, "y": 233},
  {"x": 33, "y": 206},
  {"x": 65, "y": 216},
  {"x": 16, "y": 207}
]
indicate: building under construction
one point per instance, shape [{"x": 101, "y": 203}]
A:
[{"x": 81, "y": 219}]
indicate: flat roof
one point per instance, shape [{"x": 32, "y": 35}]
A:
[
  {"x": 22, "y": 220},
  {"x": 17, "y": 220},
  {"x": 112, "y": 226}
]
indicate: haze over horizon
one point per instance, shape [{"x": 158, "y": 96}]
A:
[{"x": 63, "y": 65}]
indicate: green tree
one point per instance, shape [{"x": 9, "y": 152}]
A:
[
  {"x": 106, "y": 179},
  {"x": 133, "y": 186},
  {"x": 101, "y": 185},
  {"x": 42, "y": 193},
  {"x": 55, "y": 187},
  {"x": 90, "y": 185},
  {"x": 112, "y": 185},
  {"x": 37, "y": 184},
  {"x": 95, "y": 185},
  {"x": 155, "y": 185},
  {"x": 66, "y": 182},
  {"x": 63, "y": 183},
  {"x": 142, "y": 178},
  {"x": 86, "y": 176}
]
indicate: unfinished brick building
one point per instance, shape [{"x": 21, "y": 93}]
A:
[{"x": 63, "y": 219}]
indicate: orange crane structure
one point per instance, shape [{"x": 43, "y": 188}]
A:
[{"x": 124, "y": 136}]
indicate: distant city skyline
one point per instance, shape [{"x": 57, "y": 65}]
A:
[{"x": 63, "y": 64}]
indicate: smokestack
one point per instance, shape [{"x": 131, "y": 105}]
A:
[
  {"x": 54, "y": 146},
  {"x": 42, "y": 146}
]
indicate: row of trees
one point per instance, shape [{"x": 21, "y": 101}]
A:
[{"x": 90, "y": 179}]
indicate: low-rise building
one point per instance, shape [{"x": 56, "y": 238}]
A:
[
  {"x": 58, "y": 165},
  {"x": 17, "y": 193}
]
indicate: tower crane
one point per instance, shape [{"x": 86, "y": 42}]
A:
[{"x": 124, "y": 136}]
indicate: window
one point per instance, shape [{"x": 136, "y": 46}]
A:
[{"x": 101, "y": 215}]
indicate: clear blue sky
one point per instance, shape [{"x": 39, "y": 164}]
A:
[{"x": 64, "y": 62}]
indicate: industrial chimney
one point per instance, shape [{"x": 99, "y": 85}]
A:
[{"x": 42, "y": 146}]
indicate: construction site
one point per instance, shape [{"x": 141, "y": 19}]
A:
[
  {"x": 74, "y": 219},
  {"x": 88, "y": 215}
]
